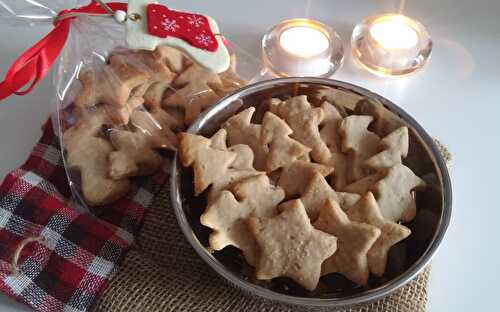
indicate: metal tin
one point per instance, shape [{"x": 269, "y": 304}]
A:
[{"x": 428, "y": 230}]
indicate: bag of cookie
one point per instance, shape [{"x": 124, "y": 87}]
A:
[{"x": 129, "y": 77}]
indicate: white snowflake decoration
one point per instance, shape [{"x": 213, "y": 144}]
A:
[
  {"x": 170, "y": 25},
  {"x": 204, "y": 40},
  {"x": 196, "y": 21}
]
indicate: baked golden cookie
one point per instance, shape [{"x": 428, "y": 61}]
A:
[
  {"x": 294, "y": 175},
  {"x": 290, "y": 246},
  {"x": 354, "y": 241},
  {"x": 254, "y": 196},
  {"x": 359, "y": 142},
  {"x": 395, "y": 149},
  {"x": 193, "y": 92},
  {"x": 367, "y": 211},
  {"x": 304, "y": 121},
  {"x": 394, "y": 193},
  {"x": 209, "y": 164},
  {"x": 283, "y": 150},
  {"x": 240, "y": 130},
  {"x": 88, "y": 151}
]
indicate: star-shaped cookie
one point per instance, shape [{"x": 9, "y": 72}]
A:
[
  {"x": 290, "y": 246},
  {"x": 194, "y": 92},
  {"x": 255, "y": 196},
  {"x": 120, "y": 85},
  {"x": 317, "y": 192},
  {"x": 354, "y": 241},
  {"x": 294, "y": 175},
  {"x": 394, "y": 193},
  {"x": 366, "y": 210}
]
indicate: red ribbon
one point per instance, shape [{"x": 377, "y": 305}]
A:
[{"x": 36, "y": 62}]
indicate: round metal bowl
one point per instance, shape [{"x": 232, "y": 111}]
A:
[{"x": 406, "y": 259}]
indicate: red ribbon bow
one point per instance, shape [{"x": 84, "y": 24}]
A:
[{"x": 36, "y": 62}]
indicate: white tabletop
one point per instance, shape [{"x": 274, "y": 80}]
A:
[{"x": 454, "y": 98}]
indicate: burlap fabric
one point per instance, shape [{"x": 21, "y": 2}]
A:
[{"x": 163, "y": 273}]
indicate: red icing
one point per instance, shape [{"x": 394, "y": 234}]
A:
[{"x": 193, "y": 28}]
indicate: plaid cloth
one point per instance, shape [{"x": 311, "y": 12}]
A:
[{"x": 80, "y": 251}]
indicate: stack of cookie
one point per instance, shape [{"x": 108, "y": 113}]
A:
[
  {"x": 132, "y": 107},
  {"x": 312, "y": 189}
]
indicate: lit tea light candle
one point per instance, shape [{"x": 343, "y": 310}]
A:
[
  {"x": 302, "y": 47},
  {"x": 391, "y": 44}
]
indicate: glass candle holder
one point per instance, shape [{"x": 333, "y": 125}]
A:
[
  {"x": 302, "y": 47},
  {"x": 391, "y": 45}
]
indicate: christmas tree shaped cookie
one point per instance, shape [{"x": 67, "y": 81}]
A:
[
  {"x": 283, "y": 150},
  {"x": 240, "y": 169},
  {"x": 359, "y": 142},
  {"x": 304, "y": 121},
  {"x": 240, "y": 130},
  {"x": 209, "y": 164},
  {"x": 330, "y": 135},
  {"x": 88, "y": 151},
  {"x": 395, "y": 148}
]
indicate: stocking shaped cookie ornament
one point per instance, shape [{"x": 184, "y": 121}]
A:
[{"x": 150, "y": 24}]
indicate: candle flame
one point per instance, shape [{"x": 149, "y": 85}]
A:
[
  {"x": 304, "y": 41},
  {"x": 394, "y": 32}
]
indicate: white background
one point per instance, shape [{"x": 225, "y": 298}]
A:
[{"x": 455, "y": 98}]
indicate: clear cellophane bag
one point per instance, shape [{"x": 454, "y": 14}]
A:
[{"x": 117, "y": 109}]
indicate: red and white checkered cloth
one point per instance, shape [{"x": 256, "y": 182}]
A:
[{"x": 80, "y": 252}]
